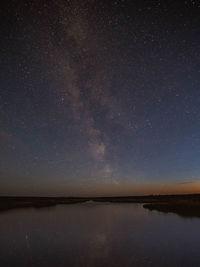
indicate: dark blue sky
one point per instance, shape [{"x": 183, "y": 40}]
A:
[{"x": 99, "y": 97}]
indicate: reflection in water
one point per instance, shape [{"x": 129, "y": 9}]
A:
[{"x": 97, "y": 234}]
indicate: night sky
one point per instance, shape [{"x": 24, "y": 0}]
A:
[{"x": 99, "y": 97}]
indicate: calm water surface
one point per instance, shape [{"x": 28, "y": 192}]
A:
[{"x": 97, "y": 234}]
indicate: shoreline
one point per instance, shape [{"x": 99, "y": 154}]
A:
[{"x": 187, "y": 205}]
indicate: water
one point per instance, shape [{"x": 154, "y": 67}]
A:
[{"x": 97, "y": 234}]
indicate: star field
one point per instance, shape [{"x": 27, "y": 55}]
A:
[{"x": 99, "y": 97}]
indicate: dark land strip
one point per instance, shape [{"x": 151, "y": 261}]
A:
[{"x": 183, "y": 205}]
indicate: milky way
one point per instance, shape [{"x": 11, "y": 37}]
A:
[{"x": 99, "y": 97}]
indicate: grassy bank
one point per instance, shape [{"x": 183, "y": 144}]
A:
[{"x": 184, "y": 208}]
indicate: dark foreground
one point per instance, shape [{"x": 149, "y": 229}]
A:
[{"x": 183, "y": 205}]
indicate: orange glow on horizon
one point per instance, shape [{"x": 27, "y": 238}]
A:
[{"x": 151, "y": 189}]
